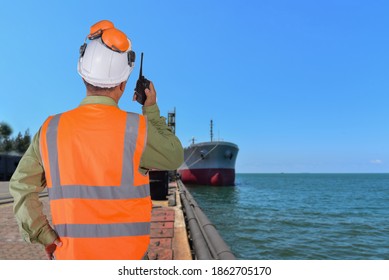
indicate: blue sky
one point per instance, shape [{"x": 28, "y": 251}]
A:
[{"x": 300, "y": 86}]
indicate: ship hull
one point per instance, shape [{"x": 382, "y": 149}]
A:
[
  {"x": 209, "y": 163},
  {"x": 212, "y": 177}
]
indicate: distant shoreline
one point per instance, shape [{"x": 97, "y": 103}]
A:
[{"x": 313, "y": 173}]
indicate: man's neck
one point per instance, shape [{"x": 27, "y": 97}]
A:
[{"x": 111, "y": 95}]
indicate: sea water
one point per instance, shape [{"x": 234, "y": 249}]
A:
[{"x": 301, "y": 216}]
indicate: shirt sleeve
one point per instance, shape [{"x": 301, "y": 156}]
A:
[
  {"x": 26, "y": 183},
  {"x": 163, "y": 150}
]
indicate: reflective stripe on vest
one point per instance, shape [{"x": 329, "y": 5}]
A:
[
  {"x": 107, "y": 213},
  {"x": 131, "y": 229}
]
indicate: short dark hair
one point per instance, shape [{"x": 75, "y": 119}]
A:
[{"x": 97, "y": 90}]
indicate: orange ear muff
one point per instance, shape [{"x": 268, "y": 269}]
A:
[
  {"x": 97, "y": 29},
  {"x": 115, "y": 40}
]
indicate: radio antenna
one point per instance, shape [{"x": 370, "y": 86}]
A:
[{"x": 141, "y": 64}]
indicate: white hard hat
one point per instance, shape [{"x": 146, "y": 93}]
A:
[{"x": 103, "y": 66}]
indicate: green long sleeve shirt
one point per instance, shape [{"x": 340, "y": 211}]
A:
[{"x": 163, "y": 152}]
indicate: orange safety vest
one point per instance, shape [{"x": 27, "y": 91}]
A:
[{"x": 100, "y": 202}]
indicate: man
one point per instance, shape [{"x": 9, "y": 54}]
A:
[{"x": 94, "y": 161}]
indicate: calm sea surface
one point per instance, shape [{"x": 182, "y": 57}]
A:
[{"x": 301, "y": 216}]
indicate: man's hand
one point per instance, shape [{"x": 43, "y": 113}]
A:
[
  {"x": 50, "y": 249},
  {"x": 151, "y": 95}
]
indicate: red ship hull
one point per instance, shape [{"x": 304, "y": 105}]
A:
[{"x": 211, "y": 176}]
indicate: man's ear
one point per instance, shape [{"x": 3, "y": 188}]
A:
[{"x": 123, "y": 86}]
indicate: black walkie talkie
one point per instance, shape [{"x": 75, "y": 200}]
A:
[{"x": 141, "y": 85}]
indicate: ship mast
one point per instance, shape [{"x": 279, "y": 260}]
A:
[
  {"x": 171, "y": 120},
  {"x": 211, "y": 131}
]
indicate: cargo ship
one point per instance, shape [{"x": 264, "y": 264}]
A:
[{"x": 209, "y": 163}]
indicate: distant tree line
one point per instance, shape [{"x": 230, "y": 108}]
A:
[{"x": 18, "y": 144}]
